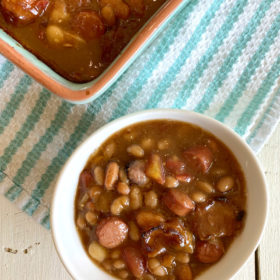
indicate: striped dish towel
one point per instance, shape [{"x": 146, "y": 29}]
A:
[{"x": 217, "y": 57}]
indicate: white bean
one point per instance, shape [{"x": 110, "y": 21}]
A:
[
  {"x": 153, "y": 263},
  {"x": 94, "y": 192},
  {"x": 119, "y": 204},
  {"x": 198, "y": 197},
  {"x": 151, "y": 199},
  {"x": 205, "y": 186},
  {"x": 147, "y": 143},
  {"x": 183, "y": 257},
  {"x": 163, "y": 144},
  {"x": 119, "y": 264},
  {"x": 171, "y": 182},
  {"x": 115, "y": 254},
  {"x": 83, "y": 200},
  {"x": 156, "y": 268},
  {"x": 97, "y": 252},
  {"x": 123, "y": 188},
  {"x": 225, "y": 184},
  {"x": 98, "y": 173},
  {"x": 91, "y": 218},
  {"x": 133, "y": 231},
  {"x": 135, "y": 150},
  {"x": 218, "y": 171},
  {"x": 112, "y": 174},
  {"x": 123, "y": 176},
  {"x": 136, "y": 198},
  {"x": 81, "y": 222},
  {"x": 109, "y": 150},
  {"x": 59, "y": 12},
  {"x": 55, "y": 34}
]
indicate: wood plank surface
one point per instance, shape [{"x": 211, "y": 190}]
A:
[
  {"x": 27, "y": 251},
  {"x": 269, "y": 253}
]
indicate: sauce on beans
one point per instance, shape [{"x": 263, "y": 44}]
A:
[
  {"x": 160, "y": 200},
  {"x": 77, "y": 38}
]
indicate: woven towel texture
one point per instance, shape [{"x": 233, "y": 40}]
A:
[{"x": 217, "y": 57}]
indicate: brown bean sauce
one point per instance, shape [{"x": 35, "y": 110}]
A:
[
  {"x": 160, "y": 200},
  {"x": 77, "y": 38}
]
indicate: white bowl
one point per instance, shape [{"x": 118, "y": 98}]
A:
[{"x": 65, "y": 235}]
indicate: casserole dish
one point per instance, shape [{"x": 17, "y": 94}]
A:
[{"x": 86, "y": 92}]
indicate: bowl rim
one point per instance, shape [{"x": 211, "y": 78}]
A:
[
  {"x": 80, "y": 93},
  {"x": 164, "y": 113}
]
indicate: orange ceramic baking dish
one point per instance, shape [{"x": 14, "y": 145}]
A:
[{"x": 86, "y": 92}]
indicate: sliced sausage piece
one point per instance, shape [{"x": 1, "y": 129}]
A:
[
  {"x": 111, "y": 232},
  {"x": 155, "y": 170},
  {"x": 88, "y": 25},
  {"x": 134, "y": 261},
  {"x": 215, "y": 219},
  {"x": 85, "y": 179},
  {"x": 112, "y": 175},
  {"x": 23, "y": 11},
  {"x": 176, "y": 166},
  {"x": 209, "y": 251},
  {"x": 136, "y": 173},
  {"x": 178, "y": 202},
  {"x": 184, "y": 178},
  {"x": 199, "y": 158}
]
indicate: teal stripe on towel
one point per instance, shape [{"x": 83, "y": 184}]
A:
[
  {"x": 264, "y": 117},
  {"x": 255, "y": 103},
  {"x": 12, "y": 106},
  {"x": 5, "y": 71},
  {"x": 203, "y": 63},
  {"x": 163, "y": 47},
  {"x": 32, "y": 203},
  {"x": 231, "y": 59},
  {"x": 25, "y": 129},
  {"x": 2, "y": 176},
  {"x": 249, "y": 71},
  {"x": 63, "y": 154},
  {"x": 46, "y": 221},
  {"x": 185, "y": 54},
  {"x": 13, "y": 192},
  {"x": 33, "y": 156}
]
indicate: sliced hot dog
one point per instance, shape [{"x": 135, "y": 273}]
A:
[
  {"x": 85, "y": 179},
  {"x": 134, "y": 261},
  {"x": 23, "y": 11},
  {"x": 111, "y": 232},
  {"x": 178, "y": 202},
  {"x": 88, "y": 25},
  {"x": 199, "y": 158},
  {"x": 176, "y": 166},
  {"x": 209, "y": 251}
]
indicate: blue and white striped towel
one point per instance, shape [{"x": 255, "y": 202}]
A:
[{"x": 217, "y": 57}]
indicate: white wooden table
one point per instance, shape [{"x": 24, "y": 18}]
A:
[{"x": 33, "y": 255}]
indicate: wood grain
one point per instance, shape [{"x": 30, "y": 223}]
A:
[{"x": 269, "y": 248}]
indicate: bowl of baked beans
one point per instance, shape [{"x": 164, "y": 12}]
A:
[{"x": 159, "y": 194}]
